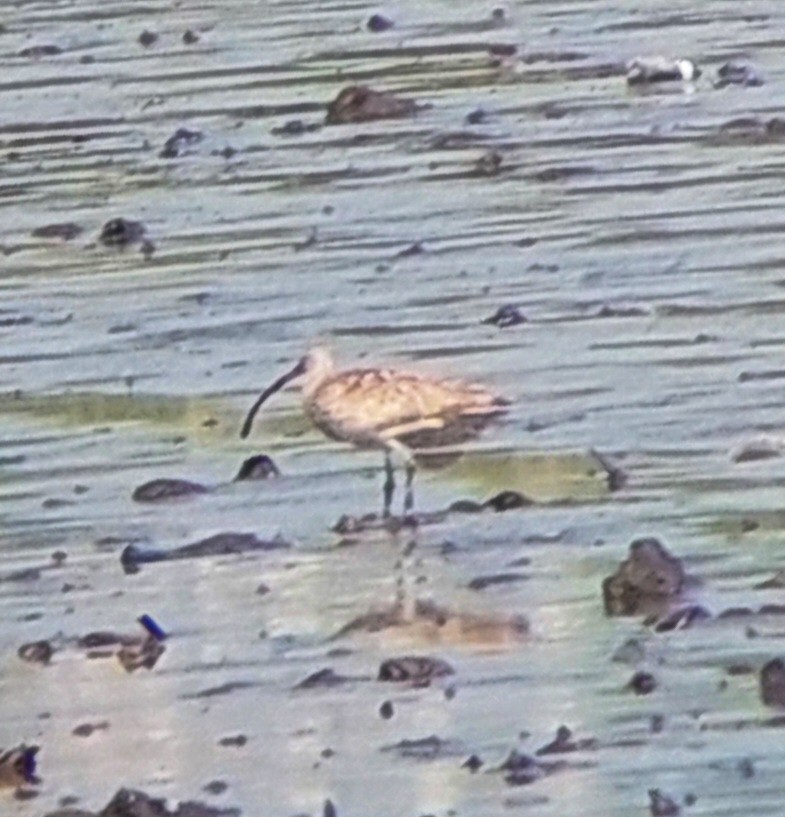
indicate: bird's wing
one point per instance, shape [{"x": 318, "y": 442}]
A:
[{"x": 378, "y": 400}]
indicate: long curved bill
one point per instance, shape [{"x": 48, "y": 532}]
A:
[{"x": 268, "y": 392}]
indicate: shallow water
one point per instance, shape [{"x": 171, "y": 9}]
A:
[{"x": 639, "y": 238}]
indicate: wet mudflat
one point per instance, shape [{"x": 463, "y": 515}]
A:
[{"x": 636, "y": 233}]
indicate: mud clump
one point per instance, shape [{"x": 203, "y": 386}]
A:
[
  {"x": 649, "y": 574},
  {"x": 147, "y": 38},
  {"x": 179, "y": 142},
  {"x": 417, "y": 670},
  {"x": 134, "y": 803},
  {"x": 521, "y": 769},
  {"x": 359, "y": 103},
  {"x": 161, "y": 490},
  {"x": 36, "y": 652},
  {"x": 260, "y": 466},
  {"x": 772, "y": 683},
  {"x": 66, "y": 231},
  {"x": 222, "y": 544},
  {"x": 120, "y": 232},
  {"x": 508, "y": 501}
]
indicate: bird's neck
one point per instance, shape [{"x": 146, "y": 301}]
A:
[{"x": 315, "y": 377}]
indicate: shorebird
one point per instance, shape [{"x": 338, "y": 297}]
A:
[{"x": 394, "y": 411}]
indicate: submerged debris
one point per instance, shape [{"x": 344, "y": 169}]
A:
[
  {"x": 429, "y": 748},
  {"x": 417, "y": 670},
  {"x": 260, "y": 466},
  {"x": 135, "y": 803},
  {"x": 649, "y": 574},
  {"x": 160, "y": 490},
  {"x": 222, "y": 544},
  {"x": 646, "y": 70},
  {"x": 359, "y": 103}
]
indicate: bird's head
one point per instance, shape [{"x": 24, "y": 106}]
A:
[{"x": 310, "y": 370}]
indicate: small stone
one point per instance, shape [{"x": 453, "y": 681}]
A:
[
  {"x": 158, "y": 490},
  {"x": 36, "y": 652},
  {"x": 190, "y": 37},
  {"x": 65, "y": 232},
  {"x": 508, "y": 501},
  {"x": 359, "y": 103},
  {"x": 329, "y": 809},
  {"x": 326, "y": 677},
  {"x": 378, "y": 22},
  {"x": 215, "y": 787},
  {"x": 179, "y": 142},
  {"x": 147, "y": 38},
  {"x": 386, "y": 710},
  {"x": 38, "y": 51},
  {"x": 642, "y": 683}
]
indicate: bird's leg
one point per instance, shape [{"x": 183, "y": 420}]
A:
[
  {"x": 389, "y": 484},
  {"x": 408, "y": 500}
]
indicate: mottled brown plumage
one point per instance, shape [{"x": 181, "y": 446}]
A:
[{"x": 387, "y": 409}]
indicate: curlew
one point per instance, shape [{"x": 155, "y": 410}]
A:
[{"x": 393, "y": 411}]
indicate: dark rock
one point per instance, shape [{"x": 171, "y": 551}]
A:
[
  {"x": 762, "y": 448},
  {"x": 161, "y": 490},
  {"x": 508, "y": 501},
  {"x": 233, "y": 740},
  {"x": 737, "y": 72},
  {"x": 260, "y": 466},
  {"x": 24, "y": 574},
  {"x": 564, "y": 743},
  {"x": 682, "y": 618},
  {"x": 178, "y": 143},
  {"x": 65, "y": 231},
  {"x": 482, "y": 582},
  {"x": 418, "y": 670},
  {"x": 473, "y": 763},
  {"x": 322, "y": 678},
  {"x": 36, "y": 652},
  {"x": 222, "y": 689},
  {"x": 660, "y": 805},
  {"x": 358, "y": 103},
  {"x": 38, "y": 51},
  {"x": 736, "y": 612},
  {"x": 119, "y": 232},
  {"x": 147, "y": 38},
  {"x": 263, "y": 589},
  {"x": 84, "y": 730},
  {"x": 222, "y": 544},
  {"x": 329, "y": 809},
  {"x": 378, "y": 22},
  {"x": 296, "y": 127},
  {"x": 650, "y": 573},
  {"x": 772, "y": 683},
  {"x": 215, "y": 787},
  {"x": 772, "y": 610},
  {"x": 642, "y": 683},
  {"x": 190, "y": 37},
  {"x": 386, "y": 710},
  {"x": 505, "y": 316}
]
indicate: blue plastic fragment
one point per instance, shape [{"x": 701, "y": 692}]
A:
[
  {"x": 29, "y": 764},
  {"x": 152, "y": 627}
]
